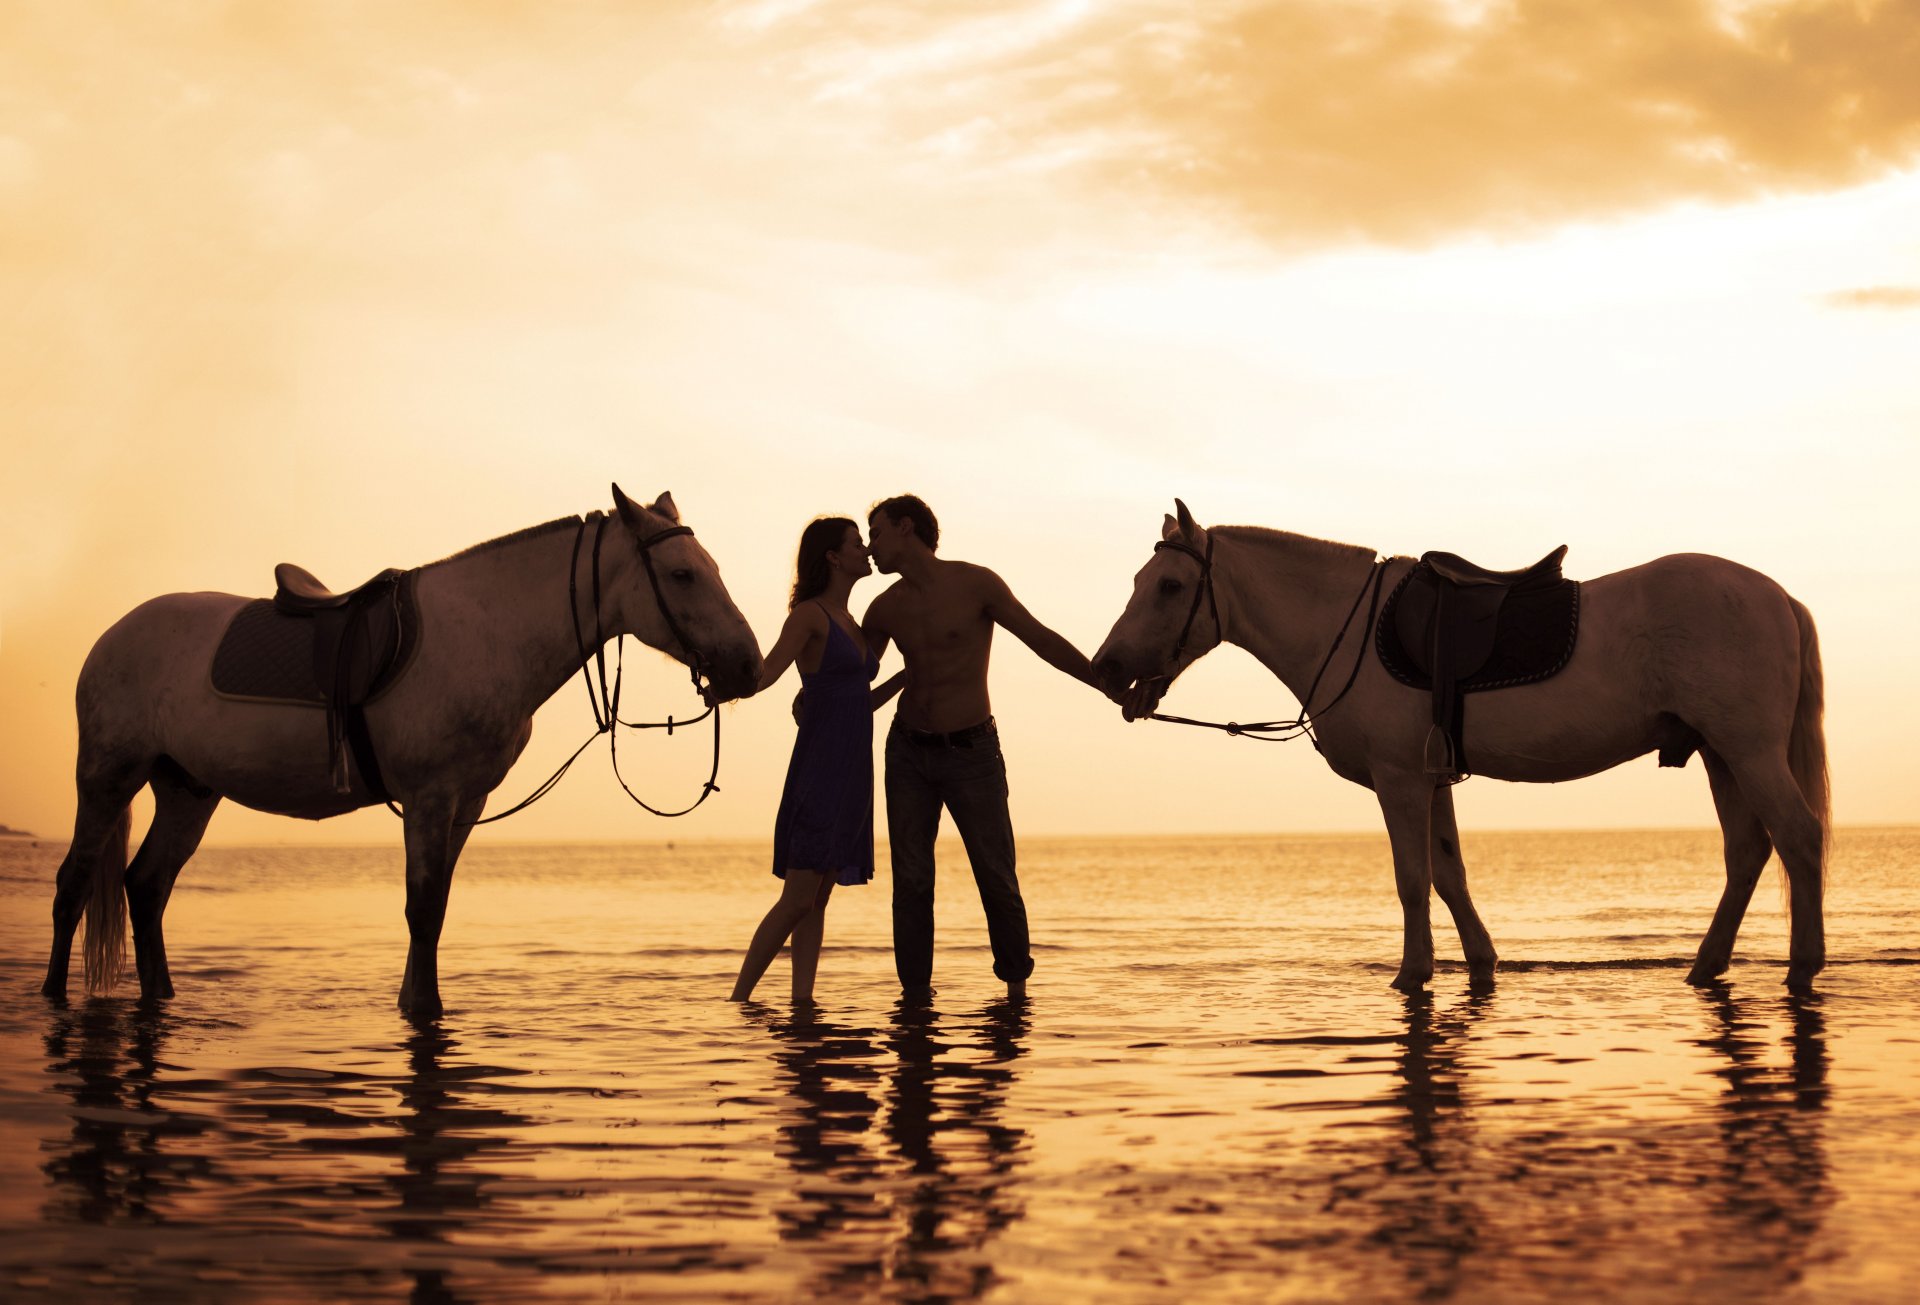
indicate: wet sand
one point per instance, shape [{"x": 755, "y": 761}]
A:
[{"x": 1211, "y": 1090}]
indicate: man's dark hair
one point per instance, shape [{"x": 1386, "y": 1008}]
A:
[{"x": 908, "y": 507}]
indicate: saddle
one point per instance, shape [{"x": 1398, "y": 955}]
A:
[
  {"x": 1454, "y": 627},
  {"x": 339, "y": 651}
]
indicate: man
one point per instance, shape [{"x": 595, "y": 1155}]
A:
[{"x": 943, "y": 749}]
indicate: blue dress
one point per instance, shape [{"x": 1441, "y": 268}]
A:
[{"x": 826, "y": 810}]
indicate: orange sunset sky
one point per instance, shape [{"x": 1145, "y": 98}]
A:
[{"x": 360, "y": 284}]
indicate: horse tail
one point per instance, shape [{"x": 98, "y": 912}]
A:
[
  {"x": 105, "y": 950},
  {"x": 1807, "y": 745}
]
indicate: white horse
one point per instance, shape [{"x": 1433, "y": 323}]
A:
[
  {"x": 1684, "y": 652},
  {"x": 496, "y": 639}
]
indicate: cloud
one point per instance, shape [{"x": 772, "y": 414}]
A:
[
  {"x": 1408, "y": 121},
  {"x": 1877, "y": 296}
]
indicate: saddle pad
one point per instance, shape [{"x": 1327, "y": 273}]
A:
[
  {"x": 1532, "y": 641},
  {"x": 267, "y": 657}
]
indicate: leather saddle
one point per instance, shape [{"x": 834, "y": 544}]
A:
[
  {"x": 1455, "y": 627},
  {"x": 359, "y": 637}
]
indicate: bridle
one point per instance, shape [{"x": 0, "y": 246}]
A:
[
  {"x": 605, "y": 700},
  {"x": 1206, "y": 583},
  {"x": 1267, "y": 731}
]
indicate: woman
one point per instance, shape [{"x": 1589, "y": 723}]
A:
[{"x": 824, "y": 832}]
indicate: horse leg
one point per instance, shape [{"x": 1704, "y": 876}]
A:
[
  {"x": 1406, "y": 800},
  {"x": 1747, "y": 847},
  {"x": 180, "y": 819},
  {"x": 1767, "y": 783},
  {"x": 436, "y": 833},
  {"x": 1450, "y": 881},
  {"x": 100, "y": 829}
]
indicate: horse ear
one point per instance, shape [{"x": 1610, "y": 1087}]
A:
[
  {"x": 664, "y": 506},
  {"x": 1169, "y": 528},
  {"x": 1187, "y": 527},
  {"x": 629, "y": 510}
]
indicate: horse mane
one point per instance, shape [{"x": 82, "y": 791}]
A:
[
  {"x": 530, "y": 532},
  {"x": 1319, "y": 549}
]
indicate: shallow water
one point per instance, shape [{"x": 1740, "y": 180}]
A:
[{"x": 1211, "y": 1088}]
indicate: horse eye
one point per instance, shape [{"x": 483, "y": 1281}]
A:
[
  {"x": 683, "y": 575},
  {"x": 1171, "y": 586}
]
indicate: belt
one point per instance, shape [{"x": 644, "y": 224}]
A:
[{"x": 964, "y": 738}]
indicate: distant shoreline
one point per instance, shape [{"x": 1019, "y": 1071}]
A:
[
  {"x": 1231, "y": 835},
  {"x": 719, "y": 842}
]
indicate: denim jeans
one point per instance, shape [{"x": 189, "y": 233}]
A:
[{"x": 971, "y": 783}]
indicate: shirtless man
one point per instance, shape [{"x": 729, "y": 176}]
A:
[{"x": 943, "y": 750}]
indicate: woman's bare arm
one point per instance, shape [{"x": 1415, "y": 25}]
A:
[
  {"x": 882, "y": 693},
  {"x": 805, "y": 623}
]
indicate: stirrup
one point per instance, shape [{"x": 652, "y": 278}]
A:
[{"x": 1439, "y": 761}]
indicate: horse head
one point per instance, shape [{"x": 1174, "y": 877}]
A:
[
  {"x": 1172, "y": 620},
  {"x": 675, "y": 600}
]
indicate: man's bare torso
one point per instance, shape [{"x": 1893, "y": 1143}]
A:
[{"x": 945, "y": 633}]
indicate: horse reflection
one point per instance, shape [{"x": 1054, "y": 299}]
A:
[
  {"x": 1419, "y": 1191},
  {"x": 439, "y": 1190},
  {"x": 1773, "y": 1173},
  {"x": 1467, "y": 1179},
  {"x": 116, "y": 1166}
]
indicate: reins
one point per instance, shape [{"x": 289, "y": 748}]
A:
[
  {"x": 605, "y": 701},
  {"x": 1302, "y": 724}
]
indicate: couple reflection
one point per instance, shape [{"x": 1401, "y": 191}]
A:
[
  {"x": 1463, "y": 1179},
  {"x": 150, "y": 1141},
  {"x": 906, "y": 1169}
]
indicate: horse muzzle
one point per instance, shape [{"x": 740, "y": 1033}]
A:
[{"x": 732, "y": 675}]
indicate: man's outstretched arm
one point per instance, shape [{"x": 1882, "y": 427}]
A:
[{"x": 1052, "y": 648}]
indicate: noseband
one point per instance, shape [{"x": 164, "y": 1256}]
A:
[{"x": 1206, "y": 582}]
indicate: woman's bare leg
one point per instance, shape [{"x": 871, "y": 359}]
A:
[
  {"x": 807, "y": 936},
  {"x": 797, "y": 894}
]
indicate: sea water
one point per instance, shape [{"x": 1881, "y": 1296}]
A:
[{"x": 1211, "y": 1090}]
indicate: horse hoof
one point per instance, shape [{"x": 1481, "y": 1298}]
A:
[
  {"x": 1800, "y": 979},
  {"x": 1703, "y": 975},
  {"x": 1411, "y": 983},
  {"x": 1480, "y": 978}
]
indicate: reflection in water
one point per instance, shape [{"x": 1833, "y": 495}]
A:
[
  {"x": 115, "y": 1166},
  {"x": 438, "y": 1188},
  {"x": 1772, "y": 1181},
  {"x": 1421, "y": 1198},
  {"x": 945, "y": 1122},
  {"x": 1466, "y": 1186},
  {"x": 919, "y": 1206},
  {"x": 828, "y": 1071},
  {"x": 134, "y": 1158}
]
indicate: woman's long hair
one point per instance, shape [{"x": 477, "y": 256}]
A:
[{"x": 823, "y": 535}]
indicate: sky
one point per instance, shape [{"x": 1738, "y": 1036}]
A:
[{"x": 358, "y": 285}]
